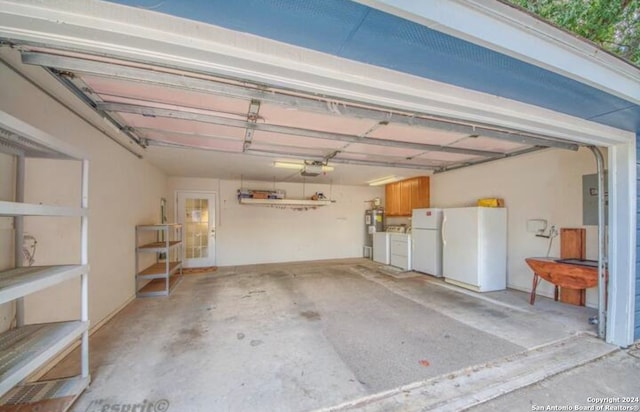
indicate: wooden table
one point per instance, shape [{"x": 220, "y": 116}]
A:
[{"x": 566, "y": 275}]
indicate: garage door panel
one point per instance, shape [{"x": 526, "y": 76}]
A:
[
  {"x": 292, "y": 140},
  {"x": 415, "y": 134},
  {"x": 421, "y": 161},
  {"x": 164, "y": 94},
  {"x": 382, "y": 150},
  {"x": 291, "y": 150},
  {"x": 283, "y": 116},
  {"x": 370, "y": 157},
  {"x": 448, "y": 157},
  {"x": 489, "y": 144},
  {"x": 224, "y": 145},
  {"x": 179, "y": 125}
]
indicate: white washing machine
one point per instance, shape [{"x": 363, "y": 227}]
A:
[{"x": 381, "y": 252}]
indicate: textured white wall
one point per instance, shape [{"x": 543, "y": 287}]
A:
[
  {"x": 255, "y": 234},
  {"x": 542, "y": 185},
  {"x": 123, "y": 191}
]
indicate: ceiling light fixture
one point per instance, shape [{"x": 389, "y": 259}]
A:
[
  {"x": 288, "y": 165},
  {"x": 383, "y": 180},
  {"x": 299, "y": 166}
]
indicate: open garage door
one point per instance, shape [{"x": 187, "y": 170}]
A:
[{"x": 244, "y": 102}]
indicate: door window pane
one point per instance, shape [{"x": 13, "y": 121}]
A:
[{"x": 197, "y": 228}]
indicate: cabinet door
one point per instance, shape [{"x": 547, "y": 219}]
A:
[
  {"x": 406, "y": 193},
  {"x": 420, "y": 196},
  {"x": 391, "y": 199}
]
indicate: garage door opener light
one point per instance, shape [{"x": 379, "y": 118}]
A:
[
  {"x": 383, "y": 180},
  {"x": 299, "y": 166}
]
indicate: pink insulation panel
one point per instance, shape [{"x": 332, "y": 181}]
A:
[
  {"x": 414, "y": 134},
  {"x": 185, "y": 126},
  {"x": 298, "y": 151},
  {"x": 382, "y": 150},
  {"x": 448, "y": 157},
  {"x": 487, "y": 143},
  {"x": 156, "y": 105},
  {"x": 291, "y": 140},
  {"x": 370, "y": 157},
  {"x": 164, "y": 94},
  {"x": 203, "y": 142},
  {"x": 274, "y": 114}
]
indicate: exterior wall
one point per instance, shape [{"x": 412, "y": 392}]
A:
[
  {"x": 123, "y": 191},
  {"x": 256, "y": 234},
  {"x": 541, "y": 185}
]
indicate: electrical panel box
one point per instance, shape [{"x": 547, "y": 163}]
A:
[{"x": 590, "y": 199}]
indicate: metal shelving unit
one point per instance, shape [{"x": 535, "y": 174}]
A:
[
  {"x": 26, "y": 348},
  {"x": 161, "y": 277}
]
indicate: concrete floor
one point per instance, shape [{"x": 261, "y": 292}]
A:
[
  {"x": 302, "y": 336},
  {"x": 614, "y": 376}
]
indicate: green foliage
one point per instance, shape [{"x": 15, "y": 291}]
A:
[{"x": 612, "y": 24}]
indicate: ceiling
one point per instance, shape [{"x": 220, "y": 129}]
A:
[{"x": 203, "y": 123}]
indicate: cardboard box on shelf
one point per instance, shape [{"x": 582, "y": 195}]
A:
[
  {"x": 491, "y": 202},
  {"x": 260, "y": 195}
]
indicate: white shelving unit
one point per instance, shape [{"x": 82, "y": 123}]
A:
[
  {"x": 26, "y": 348},
  {"x": 161, "y": 277}
]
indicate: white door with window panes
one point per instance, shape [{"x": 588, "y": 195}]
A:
[{"x": 197, "y": 214}]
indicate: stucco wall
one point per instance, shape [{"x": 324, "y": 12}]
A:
[
  {"x": 542, "y": 185},
  {"x": 257, "y": 234}
]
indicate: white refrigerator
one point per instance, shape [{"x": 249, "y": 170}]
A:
[
  {"x": 426, "y": 253},
  {"x": 475, "y": 247}
]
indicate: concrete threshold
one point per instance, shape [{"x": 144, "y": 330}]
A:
[{"x": 475, "y": 385}]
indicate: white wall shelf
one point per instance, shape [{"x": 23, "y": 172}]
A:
[
  {"x": 27, "y": 348},
  {"x": 161, "y": 277},
  {"x": 285, "y": 202}
]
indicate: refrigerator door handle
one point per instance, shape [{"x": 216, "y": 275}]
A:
[{"x": 444, "y": 224}]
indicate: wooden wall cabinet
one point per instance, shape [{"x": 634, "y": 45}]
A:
[{"x": 404, "y": 196}]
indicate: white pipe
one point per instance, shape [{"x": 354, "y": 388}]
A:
[
  {"x": 18, "y": 225},
  {"x": 84, "y": 259},
  {"x": 602, "y": 259}
]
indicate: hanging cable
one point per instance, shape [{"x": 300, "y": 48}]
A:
[
  {"x": 553, "y": 232},
  {"x": 29, "y": 245}
]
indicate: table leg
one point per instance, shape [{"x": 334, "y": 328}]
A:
[{"x": 534, "y": 286}]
